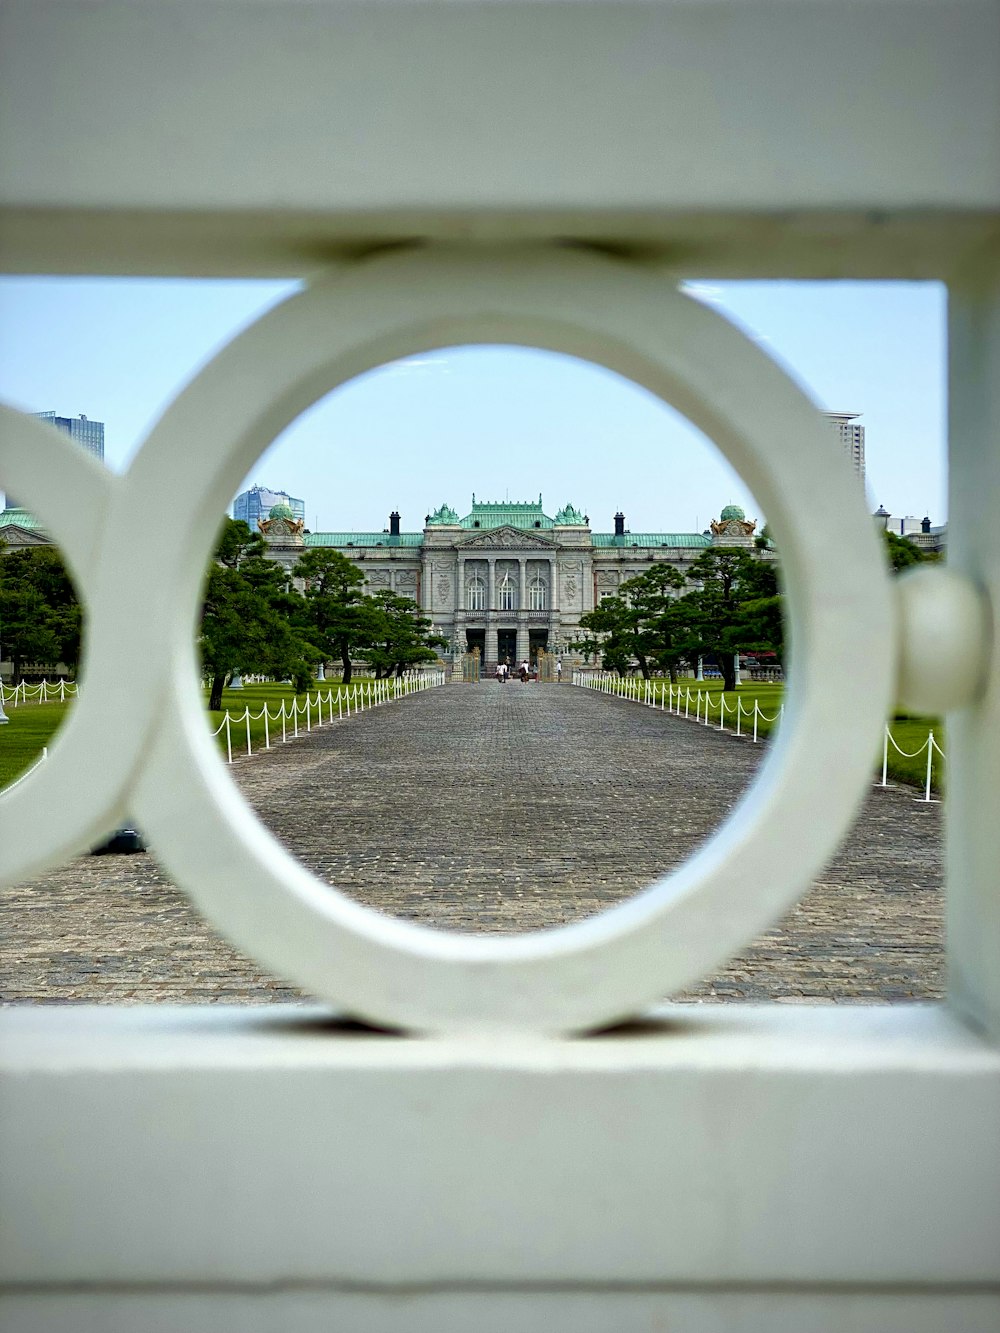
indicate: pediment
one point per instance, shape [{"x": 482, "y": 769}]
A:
[
  {"x": 13, "y": 536},
  {"x": 507, "y": 538}
]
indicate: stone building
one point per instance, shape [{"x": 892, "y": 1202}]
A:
[{"x": 507, "y": 579}]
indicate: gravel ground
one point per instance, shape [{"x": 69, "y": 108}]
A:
[{"x": 494, "y": 808}]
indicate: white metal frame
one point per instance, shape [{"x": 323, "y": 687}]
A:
[{"x": 543, "y": 173}]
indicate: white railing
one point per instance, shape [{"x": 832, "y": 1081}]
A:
[
  {"x": 699, "y": 706},
  {"x": 792, "y": 1166},
  {"x": 349, "y": 701},
  {"x": 930, "y": 745},
  {"x": 680, "y": 700},
  {"x": 43, "y": 693}
]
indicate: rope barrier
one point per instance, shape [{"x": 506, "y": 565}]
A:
[
  {"x": 671, "y": 698},
  {"x": 44, "y": 692},
  {"x": 370, "y": 694}
]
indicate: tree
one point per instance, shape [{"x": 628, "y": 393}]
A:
[
  {"x": 652, "y": 600},
  {"x": 401, "y": 637},
  {"x": 248, "y": 616},
  {"x": 611, "y": 627},
  {"x": 339, "y": 619},
  {"x": 902, "y": 553},
  {"x": 40, "y": 617},
  {"x": 736, "y": 606}
]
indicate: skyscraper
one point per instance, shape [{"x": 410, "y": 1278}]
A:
[
  {"x": 258, "y": 501},
  {"x": 89, "y": 434},
  {"x": 852, "y": 438}
]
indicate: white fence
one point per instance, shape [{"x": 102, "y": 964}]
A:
[
  {"x": 42, "y": 693},
  {"x": 733, "y": 1166},
  {"x": 679, "y": 700},
  {"x": 349, "y": 701},
  {"x": 700, "y": 706}
]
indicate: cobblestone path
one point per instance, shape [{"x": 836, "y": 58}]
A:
[{"x": 499, "y": 809}]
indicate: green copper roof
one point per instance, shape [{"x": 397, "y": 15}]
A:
[
  {"x": 281, "y": 511},
  {"x": 18, "y": 518},
  {"x": 732, "y": 511},
  {"x": 507, "y": 513},
  {"x": 362, "y": 539},
  {"x": 690, "y": 539}
]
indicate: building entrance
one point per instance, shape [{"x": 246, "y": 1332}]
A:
[
  {"x": 538, "y": 642},
  {"x": 507, "y": 646},
  {"x": 476, "y": 639}
]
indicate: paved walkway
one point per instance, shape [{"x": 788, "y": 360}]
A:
[{"x": 498, "y": 809}]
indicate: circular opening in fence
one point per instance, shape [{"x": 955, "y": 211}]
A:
[
  {"x": 656, "y": 611},
  {"x": 592, "y": 971}
]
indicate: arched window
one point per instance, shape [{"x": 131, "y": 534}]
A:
[
  {"x": 476, "y": 599},
  {"x": 536, "y": 594},
  {"x": 507, "y": 594}
]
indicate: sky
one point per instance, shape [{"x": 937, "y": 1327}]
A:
[{"x": 499, "y": 422}]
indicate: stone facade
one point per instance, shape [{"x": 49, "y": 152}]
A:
[{"x": 507, "y": 578}]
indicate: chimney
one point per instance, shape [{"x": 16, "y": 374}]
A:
[
  {"x": 394, "y": 523},
  {"x": 619, "y": 524},
  {"x": 925, "y": 526}
]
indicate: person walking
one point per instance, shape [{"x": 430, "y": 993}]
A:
[
  {"x": 559, "y": 672},
  {"x": 523, "y": 672}
]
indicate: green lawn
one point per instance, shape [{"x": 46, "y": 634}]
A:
[{"x": 31, "y": 727}]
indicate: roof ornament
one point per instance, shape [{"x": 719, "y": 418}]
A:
[
  {"x": 444, "y": 515},
  {"x": 569, "y": 515}
]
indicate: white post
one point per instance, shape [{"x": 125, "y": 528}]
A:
[
  {"x": 308, "y": 713},
  {"x": 295, "y": 719},
  {"x": 930, "y": 759},
  {"x": 885, "y": 753},
  {"x": 246, "y": 714},
  {"x": 756, "y": 710},
  {"x": 229, "y": 740},
  {"x": 284, "y": 737},
  {"x": 62, "y": 691},
  {"x": 267, "y": 730},
  {"x": 739, "y": 714}
]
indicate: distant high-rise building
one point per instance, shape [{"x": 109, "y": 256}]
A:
[
  {"x": 258, "y": 501},
  {"x": 89, "y": 434},
  {"x": 851, "y": 437}
]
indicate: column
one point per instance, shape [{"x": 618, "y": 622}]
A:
[
  {"x": 522, "y": 637},
  {"x": 491, "y": 584},
  {"x": 522, "y": 569},
  {"x": 492, "y": 645}
]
